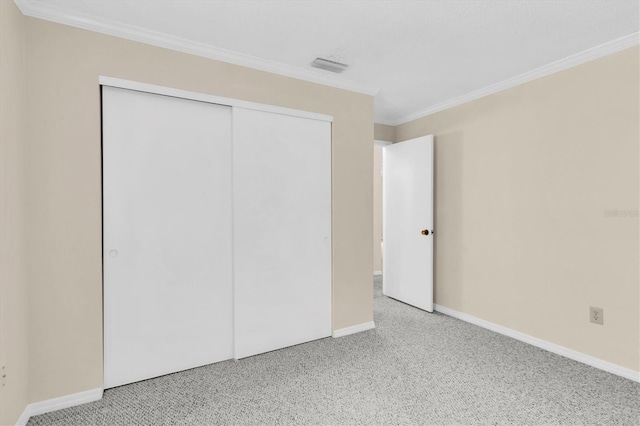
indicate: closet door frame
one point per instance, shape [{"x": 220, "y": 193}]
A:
[
  {"x": 212, "y": 99},
  {"x": 224, "y": 101}
]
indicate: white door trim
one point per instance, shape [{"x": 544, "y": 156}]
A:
[
  {"x": 378, "y": 142},
  {"x": 203, "y": 97}
]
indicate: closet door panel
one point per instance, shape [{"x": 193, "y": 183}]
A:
[
  {"x": 282, "y": 230},
  {"x": 167, "y": 235}
]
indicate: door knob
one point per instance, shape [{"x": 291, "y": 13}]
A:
[{"x": 425, "y": 232}]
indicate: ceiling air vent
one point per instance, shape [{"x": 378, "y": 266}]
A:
[{"x": 329, "y": 65}]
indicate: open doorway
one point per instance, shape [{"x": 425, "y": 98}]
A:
[
  {"x": 403, "y": 241},
  {"x": 378, "y": 202},
  {"x": 408, "y": 222}
]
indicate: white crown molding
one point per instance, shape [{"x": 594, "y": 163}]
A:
[
  {"x": 592, "y": 361},
  {"x": 386, "y": 122},
  {"x": 551, "y": 68},
  {"x": 50, "y": 12}
]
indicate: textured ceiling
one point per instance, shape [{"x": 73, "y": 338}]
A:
[{"x": 418, "y": 53}]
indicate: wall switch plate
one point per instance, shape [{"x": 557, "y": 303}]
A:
[
  {"x": 595, "y": 315},
  {"x": 3, "y": 373}
]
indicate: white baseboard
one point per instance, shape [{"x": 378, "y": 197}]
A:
[
  {"x": 24, "y": 417},
  {"x": 55, "y": 404},
  {"x": 353, "y": 329},
  {"x": 377, "y": 272},
  {"x": 543, "y": 344}
]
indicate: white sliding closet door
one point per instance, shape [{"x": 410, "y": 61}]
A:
[
  {"x": 282, "y": 230},
  {"x": 167, "y": 235}
]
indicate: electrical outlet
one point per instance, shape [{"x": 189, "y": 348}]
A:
[{"x": 595, "y": 315}]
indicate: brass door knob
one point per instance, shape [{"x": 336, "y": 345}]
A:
[{"x": 425, "y": 232}]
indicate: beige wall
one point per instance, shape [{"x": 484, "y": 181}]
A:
[
  {"x": 13, "y": 281},
  {"x": 64, "y": 185},
  {"x": 377, "y": 208},
  {"x": 382, "y": 132},
  {"x": 523, "y": 180}
]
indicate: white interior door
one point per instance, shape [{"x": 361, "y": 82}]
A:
[
  {"x": 408, "y": 222},
  {"x": 167, "y": 235},
  {"x": 282, "y": 230}
]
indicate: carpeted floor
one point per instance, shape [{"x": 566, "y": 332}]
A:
[
  {"x": 415, "y": 368},
  {"x": 377, "y": 286}
]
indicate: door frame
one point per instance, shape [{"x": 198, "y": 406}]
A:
[
  {"x": 205, "y": 97},
  {"x": 381, "y": 144}
]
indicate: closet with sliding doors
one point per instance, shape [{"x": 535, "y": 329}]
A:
[{"x": 216, "y": 229}]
